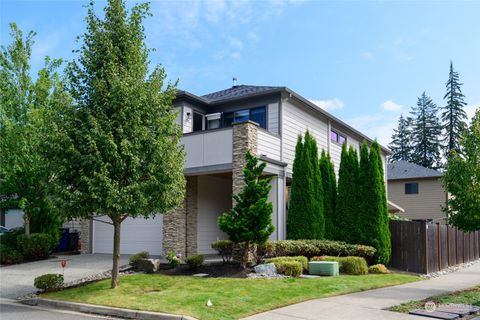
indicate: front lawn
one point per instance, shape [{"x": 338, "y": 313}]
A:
[
  {"x": 470, "y": 296},
  {"x": 232, "y": 298}
]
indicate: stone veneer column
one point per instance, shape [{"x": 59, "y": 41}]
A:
[
  {"x": 85, "y": 225},
  {"x": 244, "y": 138},
  {"x": 180, "y": 225}
]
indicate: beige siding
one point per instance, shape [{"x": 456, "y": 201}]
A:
[
  {"x": 268, "y": 145},
  {"x": 273, "y": 116},
  {"x": 427, "y": 204}
]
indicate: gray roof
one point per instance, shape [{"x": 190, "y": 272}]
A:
[
  {"x": 240, "y": 91},
  {"x": 407, "y": 170}
]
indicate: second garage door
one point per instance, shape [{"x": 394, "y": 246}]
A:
[{"x": 137, "y": 235}]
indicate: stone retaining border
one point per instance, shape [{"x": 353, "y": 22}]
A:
[{"x": 104, "y": 310}]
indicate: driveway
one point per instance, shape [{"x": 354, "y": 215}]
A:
[{"x": 17, "y": 280}]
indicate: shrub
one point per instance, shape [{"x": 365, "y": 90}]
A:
[
  {"x": 348, "y": 265},
  {"x": 35, "y": 246},
  {"x": 49, "y": 282},
  {"x": 378, "y": 268},
  {"x": 9, "y": 239},
  {"x": 311, "y": 248},
  {"x": 301, "y": 259},
  {"x": 134, "y": 260},
  {"x": 195, "y": 261},
  {"x": 289, "y": 267},
  {"x": 263, "y": 251},
  {"x": 224, "y": 248},
  {"x": 173, "y": 260},
  {"x": 9, "y": 255}
]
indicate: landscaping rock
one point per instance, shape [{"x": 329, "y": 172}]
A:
[
  {"x": 149, "y": 265},
  {"x": 201, "y": 275},
  {"x": 267, "y": 269},
  {"x": 254, "y": 275},
  {"x": 309, "y": 276}
]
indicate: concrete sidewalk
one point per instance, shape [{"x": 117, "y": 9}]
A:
[{"x": 371, "y": 304}]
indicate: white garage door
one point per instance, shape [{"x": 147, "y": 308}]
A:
[{"x": 137, "y": 235}]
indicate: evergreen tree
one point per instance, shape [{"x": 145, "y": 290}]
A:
[
  {"x": 462, "y": 178},
  {"x": 117, "y": 152},
  {"x": 401, "y": 141},
  {"x": 250, "y": 221},
  {"x": 365, "y": 182},
  {"x": 425, "y": 133},
  {"x": 329, "y": 184},
  {"x": 305, "y": 213},
  {"x": 453, "y": 115},
  {"x": 346, "y": 213}
]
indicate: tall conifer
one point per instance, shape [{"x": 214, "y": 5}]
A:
[
  {"x": 401, "y": 144},
  {"x": 329, "y": 183}
]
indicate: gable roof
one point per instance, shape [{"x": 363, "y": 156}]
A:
[
  {"x": 241, "y": 91},
  {"x": 407, "y": 170}
]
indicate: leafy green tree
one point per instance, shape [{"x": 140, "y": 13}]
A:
[
  {"x": 27, "y": 107},
  {"x": 462, "y": 179},
  {"x": 116, "y": 152},
  {"x": 401, "y": 144},
  {"x": 426, "y": 131},
  {"x": 305, "y": 213},
  {"x": 329, "y": 183},
  {"x": 453, "y": 115},
  {"x": 346, "y": 213},
  {"x": 250, "y": 220}
]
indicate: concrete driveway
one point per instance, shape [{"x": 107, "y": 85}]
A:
[{"x": 17, "y": 280}]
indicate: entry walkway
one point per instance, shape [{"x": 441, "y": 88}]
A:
[{"x": 371, "y": 304}]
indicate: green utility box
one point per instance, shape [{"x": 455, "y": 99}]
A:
[{"x": 323, "y": 268}]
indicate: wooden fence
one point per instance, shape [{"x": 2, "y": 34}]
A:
[{"x": 424, "y": 247}]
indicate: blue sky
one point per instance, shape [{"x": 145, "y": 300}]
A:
[{"x": 365, "y": 62}]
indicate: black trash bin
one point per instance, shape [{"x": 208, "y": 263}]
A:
[
  {"x": 64, "y": 243},
  {"x": 74, "y": 237}
]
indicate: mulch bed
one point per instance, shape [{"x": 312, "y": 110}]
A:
[{"x": 228, "y": 270}]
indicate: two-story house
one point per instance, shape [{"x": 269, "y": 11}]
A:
[{"x": 218, "y": 128}]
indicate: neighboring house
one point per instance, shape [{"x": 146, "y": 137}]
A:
[
  {"x": 11, "y": 218},
  {"x": 218, "y": 129},
  {"x": 418, "y": 190}
]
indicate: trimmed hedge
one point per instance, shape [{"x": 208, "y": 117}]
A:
[
  {"x": 35, "y": 246},
  {"x": 290, "y": 268},
  {"x": 9, "y": 255},
  {"x": 378, "y": 269},
  {"x": 347, "y": 265},
  {"x": 195, "y": 261},
  {"x": 49, "y": 282},
  {"x": 224, "y": 248},
  {"x": 311, "y": 248},
  {"x": 134, "y": 260},
  {"x": 301, "y": 259}
]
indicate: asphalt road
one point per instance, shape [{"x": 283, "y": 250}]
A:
[{"x": 11, "y": 310}]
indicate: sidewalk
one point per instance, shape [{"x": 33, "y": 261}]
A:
[{"x": 370, "y": 304}]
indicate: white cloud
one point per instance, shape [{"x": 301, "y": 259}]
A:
[
  {"x": 389, "y": 105},
  {"x": 329, "y": 105},
  {"x": 367, "y": 55},
  {"x": 470, "y": 110}
]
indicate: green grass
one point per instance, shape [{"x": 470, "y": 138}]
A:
[
  {"x": 231, "y": 298},
  {"x": 470, "y": 296}
]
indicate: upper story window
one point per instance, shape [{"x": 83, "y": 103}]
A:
[
  {"x": 411, "y": 188},
  {"x": 337, "y": 137},
  {"x": 197, "y": 121},
  {"x": 258, "y": 115}
]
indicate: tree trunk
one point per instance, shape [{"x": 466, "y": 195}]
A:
[
  {"x": 26, "y": 219},
  {"x": 246, "y": 253},
  {"x": 116, "y": 251}
]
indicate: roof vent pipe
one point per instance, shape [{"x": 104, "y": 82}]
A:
[{"x": 234, "y": 80}]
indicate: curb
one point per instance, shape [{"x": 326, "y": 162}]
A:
[{"x": 103, "y": 310}]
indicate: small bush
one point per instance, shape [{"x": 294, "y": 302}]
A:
[
  {"x": 290, "y": 268},
  {"x": 378, "y": 268},
  {"x": 302, "y": 260},
  {"x": 134, "y": 260},
  {"x": 194, "y": 262},
  {"x": 224, "y": 248},
  {"x": 49, "y": 282},
  {"x": 9, "y": 239},
  {"x": 173, "y": 260},
  {"x": 9, "y": 255},
  {"x": 264, "y": 251},
  {"x": 347, "y": 265},
  {"x": 311, "y": 248},
  {"x": 35, "y": 246}
]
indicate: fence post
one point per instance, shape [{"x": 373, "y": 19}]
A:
[
  {"x": 439, "y": 249},
  {"x": 449, "y": 262},
  {"x": 425, "y": 243}
]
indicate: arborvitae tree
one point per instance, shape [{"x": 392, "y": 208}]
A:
[
  {"x": 365, "y": 182},
  {"x": 346, "y": 213},
  {"x": 401, "y": 144},
  {"x": 329, "y": 184},
  {"x": 453, "y": 115},
  {"x": 379, "y": 234},
  {"x": 305, "y": 214},
  {"x": 250, "y": 221},
  {"x": 317, "y": 206},
  {"x": 462, "y": 178},
  {"x": 117, "y": 151},
  {"x": 425, "y": 132}
]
